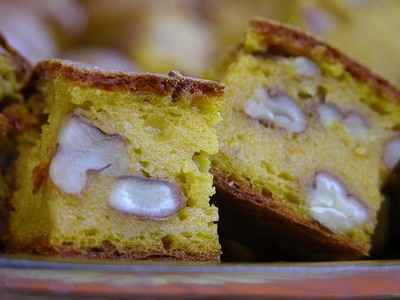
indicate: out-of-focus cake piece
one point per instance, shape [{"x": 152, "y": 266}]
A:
[
  {"x": 308, "y": 138},
  {"x": 230, "y": 17},
  {"x": 14, "y": 117},
  {"x": 114, "y": 24},
  {"x": 121, "y": 168},
  {"x": 175, "y": 37},
  {"x": 353, "y": 26}
]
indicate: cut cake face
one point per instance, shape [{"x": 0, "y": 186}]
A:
[
  {"x": 121, "y": 168},
  {"x": 307, "y": 140}
]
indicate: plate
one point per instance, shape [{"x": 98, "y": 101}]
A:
[{"x": 49, "y": 278}]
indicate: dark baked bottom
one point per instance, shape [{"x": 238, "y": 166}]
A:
[
  {"x": 272, "y": 230},
  {"x": 108, "y": 251}
]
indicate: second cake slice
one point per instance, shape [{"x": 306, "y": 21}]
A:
[
  {"x": 308, "y": 138},
  {"x": 121, "y": 168}
]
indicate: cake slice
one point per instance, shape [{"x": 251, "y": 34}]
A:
[
  {"x": 308, "y": 138},
  {"x": 121, "y": 169},
  {"x": 14, "y": 117}
]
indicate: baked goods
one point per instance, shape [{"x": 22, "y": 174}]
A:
[
  {"x": 230, "y": 17},
  {"x": 121, "y": 168},
  {"x": 353, "y": 26},
  {"x": 14, "y": 116},
  {"x": 174, "y": 36},
  {"x": 308, "y": 137}
]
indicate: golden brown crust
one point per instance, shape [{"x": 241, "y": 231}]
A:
[
  {"x": 321, "y": 242},
  {"x": 175, "y": 84},
  {"x": 22, "y": 66},
  {"x": 292, "y": 41}
]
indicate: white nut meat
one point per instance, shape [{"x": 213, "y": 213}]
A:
[
  {"x": 146, "y": 198},
  {"x": 391, "y": 154},
  {"x": 328, "y": 114},
  {"x": 331, "y": 204},
  {"x": 83, "y": 147},
  {"x": 276, "y": 109},
  {"x": 306, "y": 67},
  {"x": 355, "y": 124}
]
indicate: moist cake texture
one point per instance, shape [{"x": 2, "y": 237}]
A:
[
  {"x": 121, "y": 168},
  {"x": 307, "y": 140}
]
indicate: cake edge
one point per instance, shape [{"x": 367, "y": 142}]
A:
[
  {"x": 297, "y": 42},
  {"x": 173, "y": 84}
]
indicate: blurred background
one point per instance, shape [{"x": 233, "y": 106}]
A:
[{"x": 192, "y": 36}]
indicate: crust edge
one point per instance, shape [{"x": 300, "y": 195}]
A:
[
  {"x": 174, "y": 84},
  {"x": 297, "y": 42}
]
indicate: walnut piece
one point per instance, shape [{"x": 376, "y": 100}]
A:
[
  {"x": 276, "y": 108},
  {"x": 82, "y": 147},
  {"x": 146, "y": 198},
  {"x": 333, "y": 206}
]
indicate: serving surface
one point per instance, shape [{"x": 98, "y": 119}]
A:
[{"x": 26, "y": 278}]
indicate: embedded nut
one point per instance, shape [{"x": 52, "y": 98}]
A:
[
  {"x": 83, "y": 147},
  {"x": 391, "y": 154},
  {"x": 146, "y": 198},
  {"x": 354, "y": 123},
  {"x": 331, "y": 204},
  {"x": 306, "y": 67},
  {"x": 275, "y": 108},
  {"x": 328, "y": 114}
]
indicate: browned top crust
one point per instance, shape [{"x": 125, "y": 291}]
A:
[
  {"x": 22, "y": 66},
  {"x": 291, "y": 41},
  {"x": 174, "y": 84}
]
